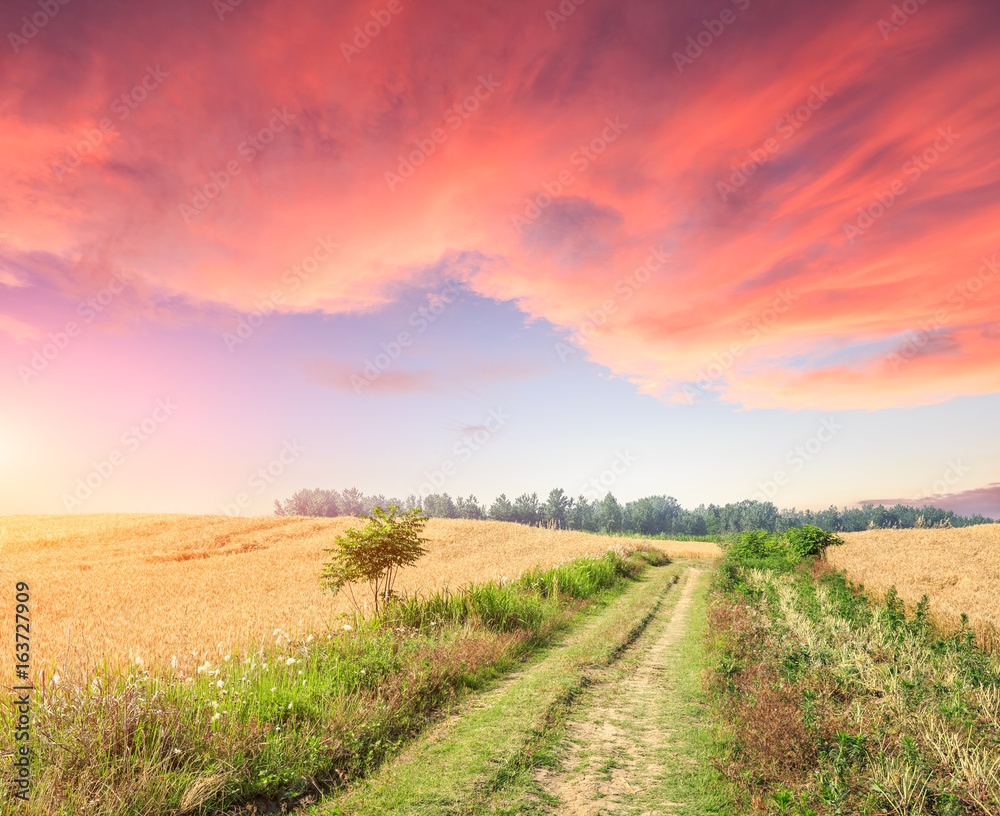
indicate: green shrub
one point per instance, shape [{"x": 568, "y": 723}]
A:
[
  {"x": 810, "y": 540},
  {"x": 755, "y": 544},
  {"x": 783, "y": 550}
]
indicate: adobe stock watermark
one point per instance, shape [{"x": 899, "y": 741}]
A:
[
  {"x": 946, "y": 484},
  {"x": 420, "y": 319},
  {"x": 624, "y": 289},
  {"x": 919, "y": 339},
  {"x": 363, "y": 36},
  {"x": 797, "y": 458},
  {"x": 263, "y": 477},
  {"x": 710, "y": 31},
  {"x": 471, "y": 443},
  {"x": 265, "y": 306},
  {"x": 753, "y": 329},
  {"x": 912, "y": 169},
  {"x": 47, "y": 10},
  {"x": 580, "y": 159},
  {"x": 454, "y": 117},
  {"x": 88, "y": 310},
  {"x": 122, "y": 106},
  {"x": 597, "y": 487},
  {"x": 787, "y": 126},
  {"x": 224, "y": 7},
  {"x": 900, "y": 15},
  {"x": 247, "y": 150},
  {"x": 562, "y": 12},
  {"x": 131, "y": 440}
]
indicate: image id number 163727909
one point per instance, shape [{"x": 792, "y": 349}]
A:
[{"x": 22, "y": 692}]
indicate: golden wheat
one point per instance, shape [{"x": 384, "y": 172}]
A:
[
  {"x": 142, "y": 589},
  {"x": 958, "y": 569}
]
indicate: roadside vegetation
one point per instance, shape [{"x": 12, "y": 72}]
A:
[
  {"x": 299, "y": 717},
  {"x": 831, "y": 701}
]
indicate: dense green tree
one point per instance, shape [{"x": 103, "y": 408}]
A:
[
  {"x": 650, "y": 515},
  {"x": 307, "y": 502},
  {"x": 440, "y": 505},
  {"x": 352, "y": 502},
  {"x": 368, "y": 503},
  {"x": 554, "y": 511},
  {"x": 502, "y": 509},
  {"x": 527, "y": 509},
  {"x": 581, "y": 516},
  {"x": 610, "y": 515},
  {"x": 469, "y": 508}
]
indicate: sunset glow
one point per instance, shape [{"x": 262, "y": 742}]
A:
[{"x": 694, "y": 230}]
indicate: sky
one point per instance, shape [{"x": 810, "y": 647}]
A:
[{"x": 714, "y": 250}]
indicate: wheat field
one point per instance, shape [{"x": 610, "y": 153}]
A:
[
  {"x": 146, "y": 589},
  {"x": 958, "y": 569}
]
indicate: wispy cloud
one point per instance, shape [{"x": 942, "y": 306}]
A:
[{"x": 982, "y": 500}]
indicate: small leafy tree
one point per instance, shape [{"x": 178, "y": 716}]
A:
[{"x": 374, "y": 553}]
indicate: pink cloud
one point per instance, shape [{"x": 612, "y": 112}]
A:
[
  {"x": 984, "y": 501},
  {"x": 565, "y": 156},
  {"x": 371, "y": 379}
]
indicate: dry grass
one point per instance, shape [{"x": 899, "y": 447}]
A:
[
  {"x": 958, "y": 569},
  {"x": 132, "y": 587}
]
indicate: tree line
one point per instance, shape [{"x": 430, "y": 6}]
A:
[{"x": 650, "y": 516}]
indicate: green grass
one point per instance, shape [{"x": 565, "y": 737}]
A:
[
  {"x": 305, "y": 715},
  {"x": 485, "y": 761},
  {"x": 482, "y": 762}
]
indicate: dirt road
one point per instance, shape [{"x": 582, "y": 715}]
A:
[
  {"x": 604, "y": 721},
  {"x": 633, "y": 740}
]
